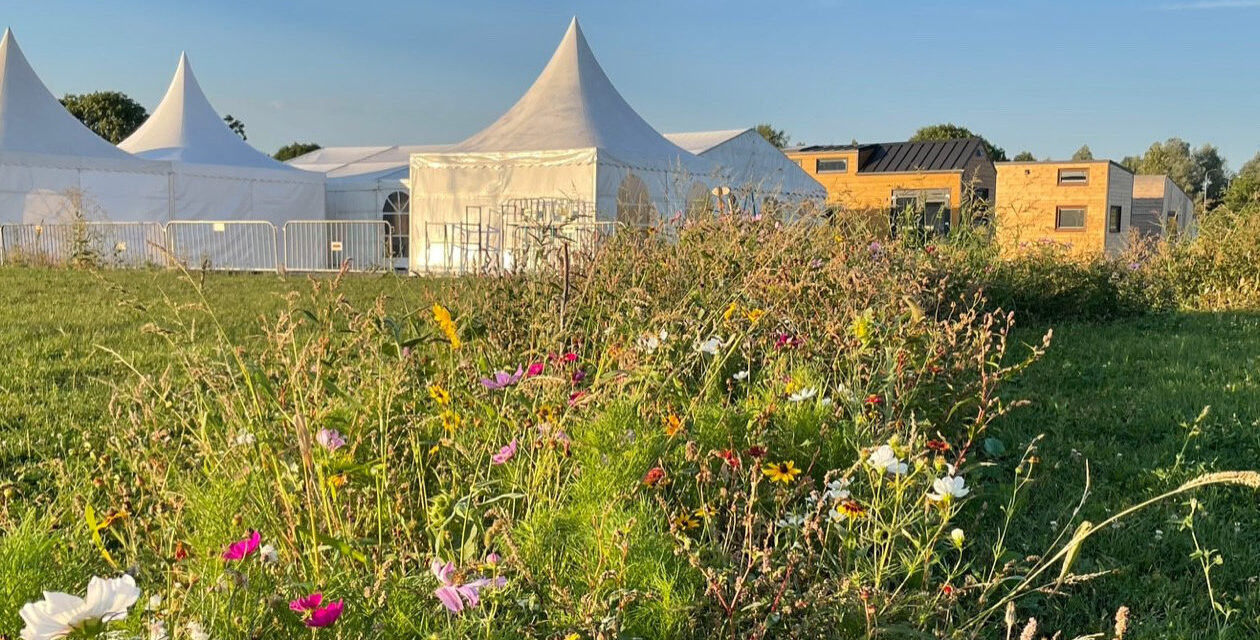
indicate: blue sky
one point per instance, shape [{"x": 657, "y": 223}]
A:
[{"x": 1046, "y": 76}]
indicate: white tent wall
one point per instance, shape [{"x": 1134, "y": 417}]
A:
[
  {"x": 53, "y": 190},
  {"x": 752, "y": 167}
]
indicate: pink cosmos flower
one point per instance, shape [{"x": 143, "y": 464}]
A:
[
  {"x": 492, "y": 559},
  {"x": 503, "y": 379},
  {"x": 241, "y": 548},
  {"x": 505, "y": 453},
  {"x": 314, "y": 615},
  {"x": 534, "y": 369},
  {"x": 453, "y": 593},
  {"x": 330, "y": 439}
]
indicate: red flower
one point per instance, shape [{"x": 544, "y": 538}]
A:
[
  {"x": 947, "y": 590},
  {"x": 756, "y": 451},
  {"x": 731, "y": 458},
  {"x": 874, "y": 399},
  {"x": 654, "y": 477},
  {"x": 787, "y": 341},
  {"x": 938, "y": 445}
]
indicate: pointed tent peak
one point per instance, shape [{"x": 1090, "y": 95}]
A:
[
  {"x": 573, "y": 105},
  {"x": 185, "y": 127},
  {"x": 32, "y": 120}
]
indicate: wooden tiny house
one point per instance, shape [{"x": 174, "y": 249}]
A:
[
  {"x": 1160, "y": 208},
  {"x": 883, "y": 179},
  {"x": 1087, "y": 205}
]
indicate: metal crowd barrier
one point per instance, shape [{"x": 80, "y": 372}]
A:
[
  {"x": 327, "y": 245},
  {"x": 114, "y": 244}
]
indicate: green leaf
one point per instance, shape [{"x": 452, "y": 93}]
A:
[
  {"x": 1074, "y": 549},
  {"x": 994, "y": 448}
]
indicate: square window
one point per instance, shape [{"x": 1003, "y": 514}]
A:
[
  {"x": 1114, "y": 217},
  {"x": 831, "y": 165},
  {"x": 1073, "y": 176},
  {"x": 1070, "y": 218}
]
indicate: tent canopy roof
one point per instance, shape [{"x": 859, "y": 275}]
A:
[
  {"x": 698, "y": 142},
  {"x": 185, "y": 127},
  {"x": 573, "y": 105},
  {"x": 33, "y": 121},
  {"x": 362, "y": 162}
]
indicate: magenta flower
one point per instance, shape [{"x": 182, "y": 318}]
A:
[
  {"x": 241, "y": 548},
  {"x": 787, "y": 341},
  {"x": 493, "y": 558},
  {"x": 330, "y": 439},
  {"x": 314, "y": 615},
  {"x": 453, "y": 594},
  {"x": 505, "y": 453},
  {"x": 535, "y": 369},
  {"x": 503, "y": 379},
  {"x": 578, "y": 376}
]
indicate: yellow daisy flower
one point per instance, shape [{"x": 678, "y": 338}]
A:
[{"x": 784, "y": 472}]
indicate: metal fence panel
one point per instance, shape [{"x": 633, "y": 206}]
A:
[
  {"x": 108, "y": 244},
  {"x": 237, "y": 245},
  {"x": 324, "y": 245}
]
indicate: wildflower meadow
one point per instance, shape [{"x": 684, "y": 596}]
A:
[{"x": 769, "y": 427}]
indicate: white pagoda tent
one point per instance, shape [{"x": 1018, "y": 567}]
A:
[
  {"x": 754, "y": 169},
  {"x": 54, "y": 170},
  {"x": 215, "y": 175},
  {"x": 572, "y": 137}
]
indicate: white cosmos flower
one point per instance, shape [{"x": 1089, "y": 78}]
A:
[
  {"x": 948, "y": 488},
  {"x": 710, "y": 346},
  {"x": 803, "y": 394},
  {"x": 268, "y": 554},
  {"x": 958, "y": 537},
  {"x": 650, "y": 343},
  {"x": 195, "y": 631},
  {"x": 157, "y": 630},
  {"x": 61, "y": 614},
  {"x": 886, "y": 460},
  {"x": 838, "y": 489},
  {"x": 740, "y": 375},
  {"x": 793, "y": 520}
]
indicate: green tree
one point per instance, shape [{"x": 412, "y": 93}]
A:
[
  {"x": 111, "y": 114},
  {"x": 235, "y": 125},
  {"x": 951, "y": 131},
  {"x": 1244, "y": 189},
  {"x": 777, "y": 137},
  {"x": 1024, "y": 156},
  {"x": 1083, "y": 153},
  {"x": 295, "y": 149},
  {"x": 1189, "y": 169}
]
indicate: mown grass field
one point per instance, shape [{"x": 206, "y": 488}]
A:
[{"x": 1121, "y": 396}]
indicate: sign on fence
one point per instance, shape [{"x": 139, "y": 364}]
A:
[
  {"x": 239, "y": 245},
  {"x": 109, "y": 244},
  {"x": 324, "y": 245}
]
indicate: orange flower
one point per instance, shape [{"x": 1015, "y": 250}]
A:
[{"x": 673, "y": 424}]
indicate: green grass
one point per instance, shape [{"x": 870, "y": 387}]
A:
[{"x": 1118, "y": 395}]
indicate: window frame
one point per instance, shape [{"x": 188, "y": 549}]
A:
[
  {"x": 819, "y": 161},
  {"x": 1117, "y": 211},
  {"x": 1058, "y": 217},
  {"x": 1073, "y": 183}
]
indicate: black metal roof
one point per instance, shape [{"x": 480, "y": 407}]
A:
[{"x": 898, "y": 157}]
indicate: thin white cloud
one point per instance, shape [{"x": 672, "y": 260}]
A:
[{"x": 1211, "y": 4}]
